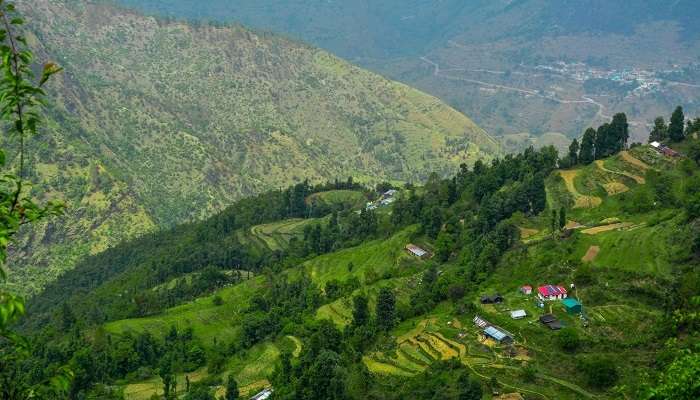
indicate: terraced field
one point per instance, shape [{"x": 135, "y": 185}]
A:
[
  {"x": 580, "y": 200},
  {"x": 274, "y": 236}
]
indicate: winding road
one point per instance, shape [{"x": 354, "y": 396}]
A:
[{"x": 438, "y": 72}]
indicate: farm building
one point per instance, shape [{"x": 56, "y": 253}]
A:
[
  {"x": 518, "y": 314},
  {"x": 495, "y": 299},
  {"x": 527, "y": 290},
  {"x": 663, "y": 149},
  {"x": 417, "y": 251},
  {"x": 551, "y": 292},
  {"x": 551, "y": 322},
  {"x": 572, "y": 306},
  {"x": 480, "y": 322},
  {"x": 265, "y": 394},
  {"x": 492, "y": 331},
  {"x": 498, "y": 335}
]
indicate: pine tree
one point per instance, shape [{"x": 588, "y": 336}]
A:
[
  {"x": 587, "y": 152},
  {"x": 360, "y": 311},
  {"x": 573, "y": 152},
  {"x": 677, "y": 125},
  {"x": 231, "y": 388},
  {"x": 619, "y": 133},
  {"x": 562, "y": 218},
  {"x": 386, "y": 309},
  {"x": 660, "y": 131}
]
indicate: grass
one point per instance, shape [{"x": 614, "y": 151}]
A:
[
  {"x": 208, "y": 321},
  {"x": 331, "y": 197}
]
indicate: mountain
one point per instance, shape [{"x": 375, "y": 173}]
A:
[
  {"x": 500, "y": 61},
  {"x": 156, "y": 122},
  {"x": 254, "y": 288}
]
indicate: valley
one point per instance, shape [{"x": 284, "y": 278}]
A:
[{"x": 208, "y": 115}]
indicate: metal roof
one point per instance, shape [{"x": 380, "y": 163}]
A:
[
  {"x": 518, "y": 314},
  {"x": 495, "y": 333}
]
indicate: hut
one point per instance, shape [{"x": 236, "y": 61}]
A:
[{"x": 572, "y": 306}]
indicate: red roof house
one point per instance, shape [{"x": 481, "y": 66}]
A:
[
  {"x": 527, "y": 289},
  {"x": 551, "y": 292}
]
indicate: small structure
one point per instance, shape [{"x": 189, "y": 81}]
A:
[
  {"x": 498, "y": 335},
  {"x": 264, "y": 395},
  {"x": 480, "y": 322},
  {"x": 663, "y": 149},
  {"x": 518, "y": 314},
  {"x": 551, "y": 322},
  {"x": 526, "y": 290},
  {"x": 495, "y": 299},
  {"x": 572, "y": 306},
  {"x": 417, "y": 251},
  {"x": 551, "y": 292},
  {"x": 390, "y": 193}
]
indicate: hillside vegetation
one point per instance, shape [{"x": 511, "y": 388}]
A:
[{"x": 153, "y": 123}]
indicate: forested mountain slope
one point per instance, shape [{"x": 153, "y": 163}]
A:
[
  {"x": 154, "y": 123},
  {"x": 343, "y": 311},
  {"x": 500, "y": 61}
]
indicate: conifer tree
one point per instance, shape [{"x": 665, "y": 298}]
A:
[
  {"x": 386, "y": 309},
  {"x": 587, "y": 152},
  {"x": 573, "y": 152},
  {"x": 677, "y": 125},
  {"x": 660, "y": 131}
]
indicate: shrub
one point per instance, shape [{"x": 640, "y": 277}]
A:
[
  {"x": 599, "y": 371},
  {"x": 568, "y": 339}
]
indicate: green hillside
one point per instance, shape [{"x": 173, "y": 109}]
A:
[
  {"x": 622, "y": 252},
  {"x": 207, "y": 114}
]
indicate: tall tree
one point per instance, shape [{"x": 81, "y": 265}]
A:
[
  {"x": 619, "y": 133},
  {"x": 469, "y": 388},
  {"x": 562, "y": 218},
  {"x": 660, "y": 131},
  {"x": 587, "y": 152},
  {"x": 677, "y": 125},
  {"x": 360, "y": 310},
  {"x": 386, "y": 309},
  {"x": 573, "y": 152},
  {"x": 231, "y": 388}
]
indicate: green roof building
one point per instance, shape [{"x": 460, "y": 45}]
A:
[{"x": 572, "y": 306}]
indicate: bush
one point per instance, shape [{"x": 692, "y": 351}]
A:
[
  {"x": 568, "y": 339},
  {"x": 218, "y": 300},
  {"x": 599, "y": 371}
]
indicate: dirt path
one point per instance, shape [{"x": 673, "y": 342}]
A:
[
  {"x": 580, "y": 200},
  {"x": 591, "y": 254},
  {"x": 640, "y": 180},
  {"x": 606, "y": 228}
]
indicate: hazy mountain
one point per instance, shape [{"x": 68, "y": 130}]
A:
[
  {"x": 155, "y": 122},
  {"x": 488, "y": 50}
]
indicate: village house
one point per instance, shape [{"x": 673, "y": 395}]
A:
[
  {"x": 417, "y": 251},
  {"x": 551, "y": 322},
  {"x": 494, "y": 332},
  {"x": 498, "y": 335},
  {"x": 526, "y": 290},
  {"x": 495, "y": 299},
  {"x": 518, "y": 314},
  {"x": 551, "y": 292},
  {"x": 572, "y": 306},
  {"x": 663, "y": 149}
]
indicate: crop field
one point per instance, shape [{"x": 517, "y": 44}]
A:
[
  {"x": 367, "y": 262},
  {"x": 274, "y": 236},
  {"x": 580, "y": 200}
]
